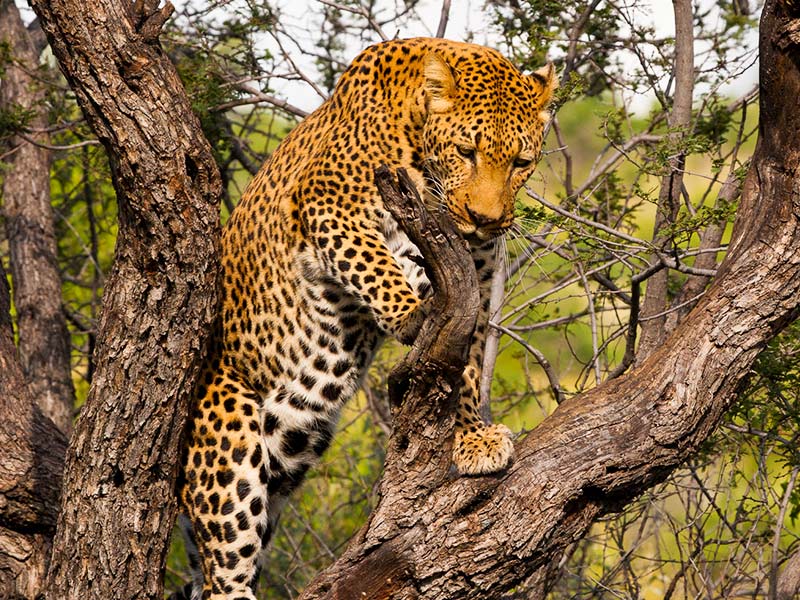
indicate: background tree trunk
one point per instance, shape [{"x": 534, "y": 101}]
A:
[
  {"x": 36, "y": 394},
  {"x": 118, "y": 504},
  {"x": 654, "y": 306},
  {"x": 44, "y": 344},
  {"x": 435, "y": 537},
  {"x": 31, "y": 461}
]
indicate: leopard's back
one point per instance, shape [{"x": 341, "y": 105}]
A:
[{"x": 315, "y": 274}]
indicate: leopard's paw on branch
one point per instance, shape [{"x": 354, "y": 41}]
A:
[{"x": 483, "y": 449}]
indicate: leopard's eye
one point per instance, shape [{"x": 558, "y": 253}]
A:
[
  {"x": 466, "y": 151},
  {"x": 522, "y": 163}
]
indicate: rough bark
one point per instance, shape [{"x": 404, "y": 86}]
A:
[
  {"x": 31, "y": 460},
  {"x": 653, "y": 324},
  {"x": 44, "y": 344},
  {"x": 789, "y": 582},
  {"x": 118, "y": 504},
  {"x": 437, "y": 537}
]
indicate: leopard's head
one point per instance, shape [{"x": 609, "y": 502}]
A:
[{"x": 482, "y": 135}]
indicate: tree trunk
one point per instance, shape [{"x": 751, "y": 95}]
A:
[
  {"x": 654, "y": 306},
  {"x": 44, "y": 344},
  {"x": 31, "y": 460},
  {"x": 118, "y": 505},
  {"x": 436, "y": 537},
  {"x": 789, "y": 582}
]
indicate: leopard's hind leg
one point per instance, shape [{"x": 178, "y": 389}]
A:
[{"x": 225, "y": 490}]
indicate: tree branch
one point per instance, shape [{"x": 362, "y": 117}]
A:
[
  {"x": 31, "y": 461},
  {"x": 475, "y": 538},
  {"x": 44, "y": 344},
  {"x": 444, "y": 17},
  {"x": 424, "y": 387},
  {"x": 774, "y": 592}
]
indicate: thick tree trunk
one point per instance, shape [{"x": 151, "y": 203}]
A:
[
  {"x": 118, "y": 504},
  {"x": 44, "y": 344},
  {"x": 436, "y": 537},
  {"x": 31, "y": 460}
]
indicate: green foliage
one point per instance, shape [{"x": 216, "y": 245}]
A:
[
  {"x": 714, "y": 124},
  {"x": 14, "y": 118},
  {"x": 771, "y": 401},
  {"x": 536, "y": 29},
  {"x": 535, "y": 23},
  {"x": 529, "y": 215},
  {"x": 688, "y": 224},
  {"x": 573, "y": 88},
  {"x": 6, "y": 56},
  {"x": 206, "y": 86},
  {"x": 227, "y": 52},
  {"x": 614, "y": 126}
]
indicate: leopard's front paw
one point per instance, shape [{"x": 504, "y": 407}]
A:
[
  {"x": 407, "y": 331},
  {"x": 482, "y": 450}
]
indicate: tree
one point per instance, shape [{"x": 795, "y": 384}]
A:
[
  {"x": 429, "y": 535},
  {"x": 123, "y": 454},
  {"x": 599, "y": 450},
  {"x": 37, "y": 395},
  {"x": 30, "y": 477},
  {"x": 44, "y": 340}
]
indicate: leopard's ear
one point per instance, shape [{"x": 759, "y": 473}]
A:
[
  {"x": 440, "y": 84},
  {"x": 546, "y": 83}
]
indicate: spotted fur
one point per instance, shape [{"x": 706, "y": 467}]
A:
[{"x": 315, "y": 273}]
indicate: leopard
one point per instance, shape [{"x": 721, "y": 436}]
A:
[{"x": 315, "y": 274}]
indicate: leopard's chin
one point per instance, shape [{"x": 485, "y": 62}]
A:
[
  {"x": 479, "y": 238},
  {"x": 485, "y": 234}
]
